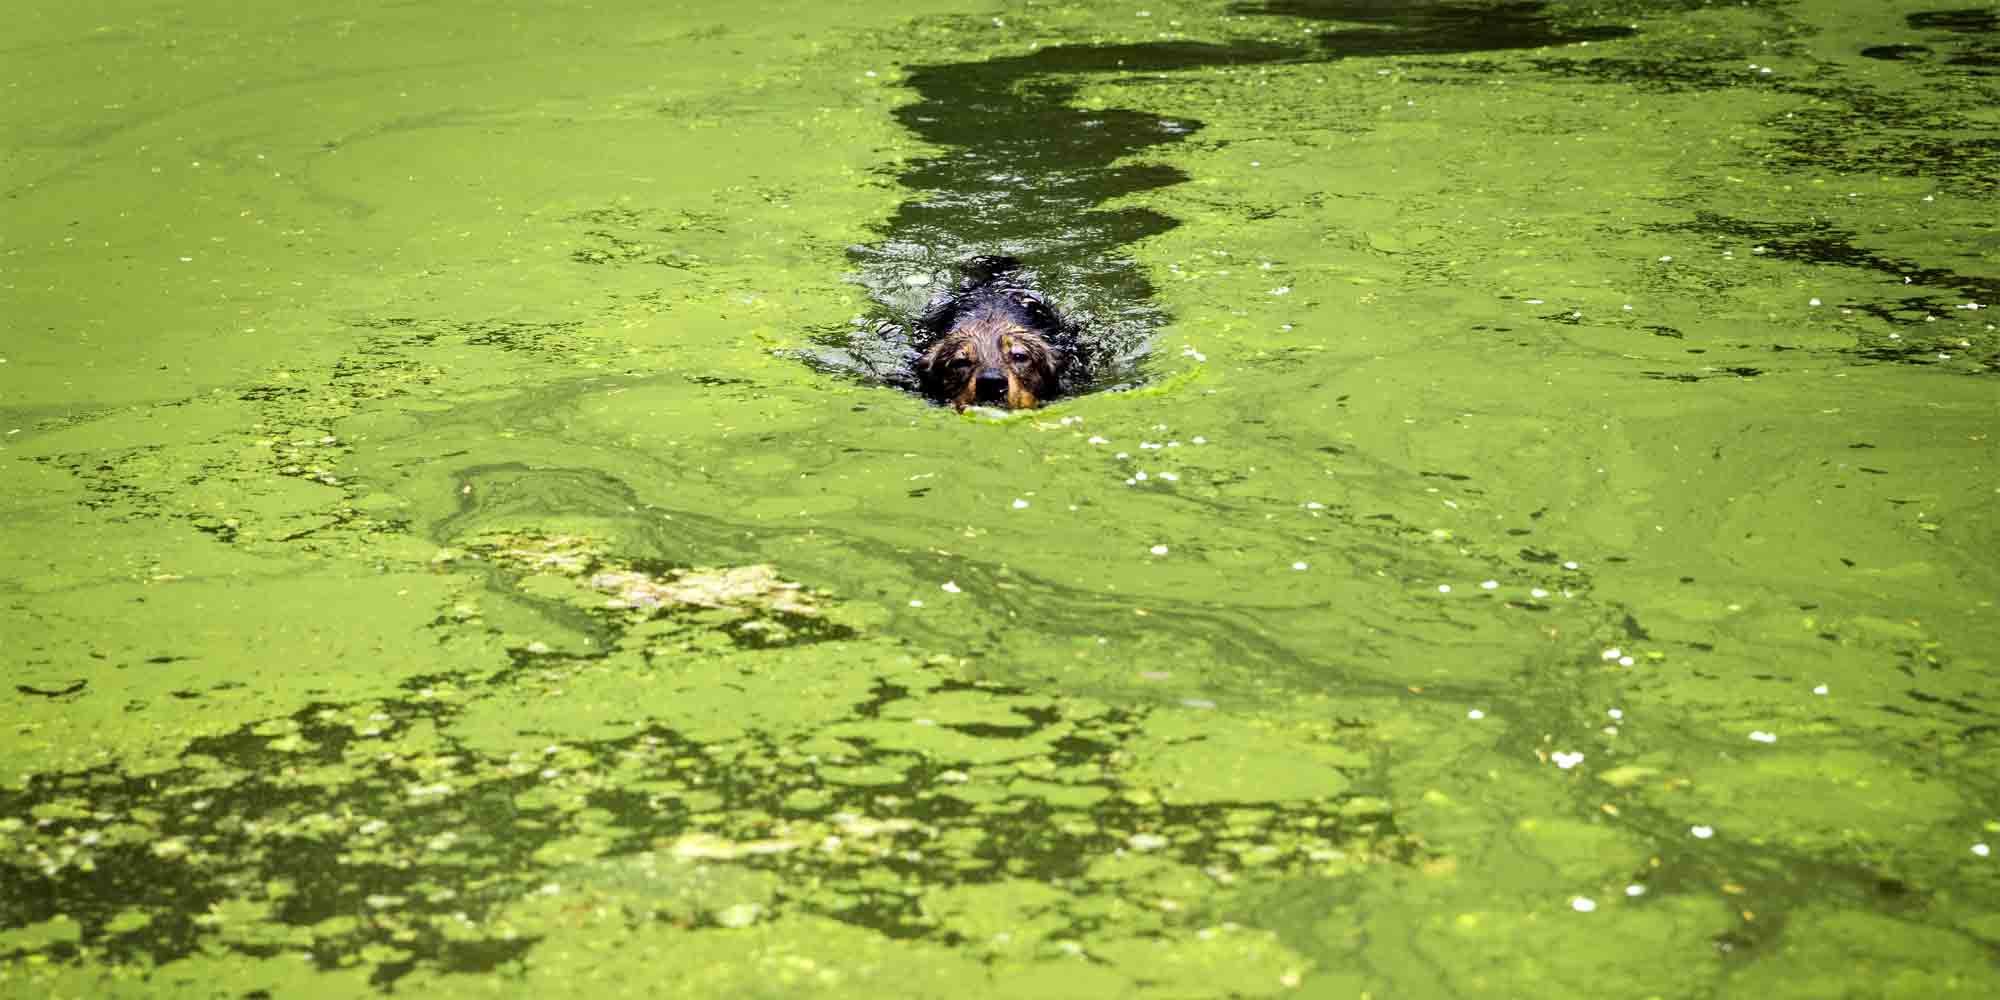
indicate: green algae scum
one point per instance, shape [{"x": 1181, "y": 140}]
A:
[{"x": 1530, "y": 529}]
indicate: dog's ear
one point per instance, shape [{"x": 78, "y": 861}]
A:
[
  {"x": 1060, "y": 358},
  {"x": 937, "y": 318},
  {"x": 933, "y": 366}
]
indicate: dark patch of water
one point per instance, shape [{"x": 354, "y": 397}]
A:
[{"x": 1403, "y": 27}]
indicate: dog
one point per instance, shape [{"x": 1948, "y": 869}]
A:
[{"x": 991, "y": 343}]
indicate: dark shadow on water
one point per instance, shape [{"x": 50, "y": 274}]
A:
[
  {"x": 1414, "y": 27},
  {"x": 1023, "y": 171}
]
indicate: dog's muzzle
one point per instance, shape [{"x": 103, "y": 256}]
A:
[{"x": 991, "y": 387}]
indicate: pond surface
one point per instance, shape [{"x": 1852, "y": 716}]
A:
[{"x": 1534, "y": 535}]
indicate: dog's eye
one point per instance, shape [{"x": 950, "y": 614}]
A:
[
  {"x": 1019, "y": 357},
  {"x": 961, "y": 363}
]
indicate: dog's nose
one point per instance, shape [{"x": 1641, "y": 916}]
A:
[{"x": 992, "y": 387}]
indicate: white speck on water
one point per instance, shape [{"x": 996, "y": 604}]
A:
[
  {"x": 1538, "y": 593},
  {"x": 1170, "y": 477},
  {"x": 950, "y": 587},
  {"x": 1702, "y": 832},
  {"x": 1020, "y": 505},
  {"x": 1315, "y": 505},
  {"x": 1123, "y": 454},
  {"x": 1475, "y": 715},
  {"x": 1570, "y": 565},
  {"x": 1616, "y": 713},
  {"x": 1198, "y": 439},
  {"x": 1444, "y": 588},
  {"x": 1489, "y": 585},
  {"x": 1581, "y": 905},
  {"x": 916, "y": 603},
  {"x": 1667, "y": 259},
  {"x": 1299, "y": 566},
  {"x": 1612, "y": 653},
  {"x": 1626, "y": 661},
  {"x": 1146, "y": 841},
  {"x": 1150, "y": 445},
  {"x": 1813, "y": 301},
  {"x": 1566, "y": 760},
  {"x": 1095, "y": 439},
  {"x": 869, "y": 73},
  {"x": 1533, "y": 302},
  {"x": 1282, "y": 290},
  {"x": 1982, "y": 850},
  {"x": 1635, "y": 889},
  {"x": 1197, "y": 703},
  {"x": 1140, "y": 475},
  {"x": 1627, "y": 307},
  {"x": 1158, "y": 550},
  {"x": 1821, "y": 689},
  {"x": 1761, "y": 736}
]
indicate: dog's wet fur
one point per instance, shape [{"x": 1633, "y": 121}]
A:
[{"x": 990, "y": 342}]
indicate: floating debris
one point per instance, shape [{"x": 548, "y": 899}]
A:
[{"x": 757, "y": 585}]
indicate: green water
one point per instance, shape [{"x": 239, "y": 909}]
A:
[{"x": 1545, "y": 547}]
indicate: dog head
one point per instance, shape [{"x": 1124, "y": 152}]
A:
[{"x": 993, "y": 345}]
